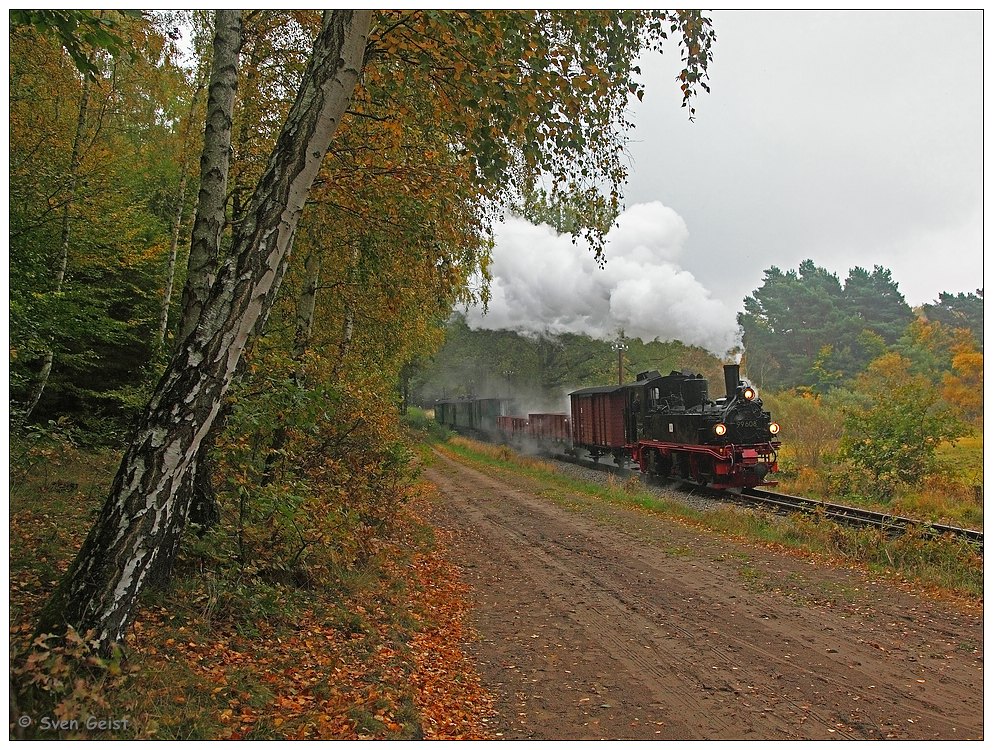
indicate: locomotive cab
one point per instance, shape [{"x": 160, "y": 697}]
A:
[
  {"x": 668, "y": 408},
  {"x": 675, "y": 408}
]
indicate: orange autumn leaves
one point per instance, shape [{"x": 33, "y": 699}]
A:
[
  {"x": 452, "y": 703},
  {"x": 395, "y": 671},
  {"x": 376, "y": 655}
]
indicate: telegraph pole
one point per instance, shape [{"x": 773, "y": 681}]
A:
[{"x": 620, "y": 347}]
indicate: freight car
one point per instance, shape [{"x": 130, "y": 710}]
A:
[
  {"x": 536, "y": 431},
  {"x": 667, "y": 425},
  {"x": 477, "y": 416}
]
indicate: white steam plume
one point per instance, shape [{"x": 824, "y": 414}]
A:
[{"x": 543, "y": 282}]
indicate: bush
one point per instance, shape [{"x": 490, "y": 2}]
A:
[
  {"x": 418, "y": 419},
  {"x": 893, "y": 438},
  {"x": 312, "y": 478}
]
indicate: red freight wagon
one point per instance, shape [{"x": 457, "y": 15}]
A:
[
  {"x": 550, "y": 427},
  {"x": 512, "y": 427},
  {"x": 598, "y": 419}
]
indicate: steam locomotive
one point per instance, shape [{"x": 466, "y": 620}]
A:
[{"x": 666, "y": 424}]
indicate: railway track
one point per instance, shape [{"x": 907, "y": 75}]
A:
[
  {"x": 757, "y": 497},
  {"x": 851, "y": 516}
]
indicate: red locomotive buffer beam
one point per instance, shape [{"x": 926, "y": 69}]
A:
[{"x": 719, "y": 466}]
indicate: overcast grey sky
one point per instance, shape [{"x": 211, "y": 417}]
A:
[{"x": 848, "y": 137}]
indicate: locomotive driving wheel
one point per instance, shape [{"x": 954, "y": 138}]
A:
[
  {"x": 658, "y": 463},
  {"x": 704, "y": 470}
]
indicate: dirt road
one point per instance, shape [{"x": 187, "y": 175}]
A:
[{"x": 597, "y": 621}]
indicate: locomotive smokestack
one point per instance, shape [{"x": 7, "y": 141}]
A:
[{"x": 731, "y": 377}]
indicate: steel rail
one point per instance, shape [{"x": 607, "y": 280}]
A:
[
  {"x": 857, "y": 516},
  {"x": 782, "y": 503}
]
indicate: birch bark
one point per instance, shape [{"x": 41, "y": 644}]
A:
[
  {"x": 348, "y": 327},
  {"x": 215, "y": 162},
  {"x": 305, "y": 309},
  {"x": 100, "y": 589},
  {"x": 196, "y": 493},
  {"x": 177, "y": 222}
]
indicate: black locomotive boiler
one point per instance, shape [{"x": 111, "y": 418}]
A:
[{"x": 679, "y": 431}]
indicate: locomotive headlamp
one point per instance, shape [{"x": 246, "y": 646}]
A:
[
  {"x": 720, "y": 429},
  {"x": 774, "y": 428},
  {"x": 748, "y": 393}
]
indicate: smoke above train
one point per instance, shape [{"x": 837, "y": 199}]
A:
[{"x": 545, "y": 282}]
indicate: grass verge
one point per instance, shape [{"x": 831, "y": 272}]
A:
[{"x": 945, "y": 565}]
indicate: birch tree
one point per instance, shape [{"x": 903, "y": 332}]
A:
[
  {"x": 100, "y": 589},
  {"x": 196, "y": 487}
]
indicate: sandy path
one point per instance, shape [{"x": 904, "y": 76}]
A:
[{"x": 599, "y": 621}]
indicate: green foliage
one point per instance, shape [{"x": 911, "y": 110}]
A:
[
  {"x": 534, "y": 97},
  {"x": 108, "y": 209},
  {"x": 811, "y": 424},
  {"x": 949, "y": 358},
  {"x": 420, "y": 421},
  {"x": 458, "y": 114},
  {"x": 893, "y": 438},
  {"x": 37, "y": 446},
  {"x": 312, "y": 476},
  {"x": 804, "y": 329},
  {"x": 80, "y": 32},
  {"x": 539, "y": 207},
  {"x": 958, "y": 311},
  {"x": 875, "y": 299},
  {"x": 810, "y": 465}
]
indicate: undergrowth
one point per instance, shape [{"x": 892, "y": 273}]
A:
[
  {"x": 952, "y": 494},
  {"x": 423, "y": 423},
  {"x": 356, "y": 637}
]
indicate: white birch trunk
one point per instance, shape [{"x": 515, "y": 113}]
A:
[
  {"x": 100, "y": 589},
  {"x": 196, "y": 496},
  {"x": 177, "y": 222},
  {"x": 348, "y": 327},
  {"x": 215, "y": 162},
  {"x": 306, "y": 306}
]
